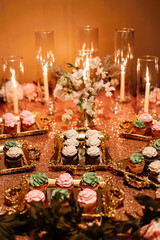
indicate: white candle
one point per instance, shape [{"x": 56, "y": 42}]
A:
[
  {"x": 45, "y": 79},
  {"x": 86, "y": 74},
  {"x": 122, "y": 87},
  {"x": 147, "y": 91},
  {"x": 15, "y": 92}
]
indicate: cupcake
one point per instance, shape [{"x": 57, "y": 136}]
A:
[
  {"x": 7, "y": 116},
  {"x": 90, "y": 142},
  {"x": 65, "y": 181},
  {"x": 24, "y": 114},
  {"x": 136, "y": 163},
  {"x": 71, "y": 141},
  {"x": 156, "y": 129},
  {"x": 150, "y": 154},
  {"x": 8, "y": 144},
  {"x": 92, "y": 156},
  {"x": 147, "y": 119},
  {"x": 139, "y": 127},
  {"x": 34, "y": 196},
  {"x": 157, "y": 146},
  {"x": 69, "y": 155},
  {"x": 10, "y": 125},
  {"x": 61, "y": 195},
  {"x": 13, "y": 157},
  {"x": 87, "y": 199},
  {"x": 28, "y": 123},
  {"x": 38, "y": 181},
  {"x": 71, "y": 134},
  {"x": 92, "y": 133},
  {"x": 89, "y": 180},
  {"x": 159, "y": 117},
  {"x": 154, "y": 170}
]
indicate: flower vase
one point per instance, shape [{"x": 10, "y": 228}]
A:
[{"x": 85, "y": 120}]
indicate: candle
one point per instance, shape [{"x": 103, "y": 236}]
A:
[
  {"x": 15, "y": 92},
  {"x": 147, "y": 91},
  {"x": 122, "y": 87},
  {"x": 86, "y": 70},
  {"x": 45, "y": 79}
]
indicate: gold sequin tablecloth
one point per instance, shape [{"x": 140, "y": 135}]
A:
[{"x": 119, "y": 147}]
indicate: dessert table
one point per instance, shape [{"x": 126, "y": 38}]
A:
[{"x": 119, "y": 147}]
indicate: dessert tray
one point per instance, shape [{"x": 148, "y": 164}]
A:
[
  {"x": 109, "y": 197},
  {"x": 57, "y": 164},
  {"x": 135, "y": 180},
  {"x": 127, "y": 131},
  {"x": 29, "y": 156},
  {"x": 41, "y": 127}
]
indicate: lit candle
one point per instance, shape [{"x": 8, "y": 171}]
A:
[
  {"x": 15, "y": 92},
  {"x": 147, "y": 90},
  {"x": 86, "y": 70},
  {"x": 122, "y": 87},
  {"x": 45, "y": 79}
]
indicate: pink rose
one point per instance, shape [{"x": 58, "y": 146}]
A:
[
  {"x": 29, "y": 89},
  {"x": 151, "y": 231}
]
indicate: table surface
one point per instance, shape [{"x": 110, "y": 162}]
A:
[{"x": 119, "y": 147}]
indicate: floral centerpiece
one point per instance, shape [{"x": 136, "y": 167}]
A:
[{"x": 83, "y": 89}]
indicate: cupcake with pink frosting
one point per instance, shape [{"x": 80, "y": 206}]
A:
[
  {"x": 28, "y": 123},
  {"x": 24, "y": 114},
  {"x": 65, "y": 181},
  {"x": 147, "y": 119},
  {"x": 87, "y": 199},
  {"x": 156, "y": 129},
  {"x": 34, "y": 196},
  {"x": 7, "y": 116},
  {"x": 10, "y": 124}
]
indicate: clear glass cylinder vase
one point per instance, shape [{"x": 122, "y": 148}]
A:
[
  {"x": 124, "y": 55},
  {"x": 13, "y": 77},
  {"x": 147, "y": 82},
  {"x": 45, "y": 63}
]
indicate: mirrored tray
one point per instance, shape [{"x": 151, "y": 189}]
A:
[
  {"x": 29, "y": 156},
  {"x": 57, "y": 164},
  {"x": 41, "y": 127},
  {"x": 136, "y": 180},
  {"x": 109, "y": 197},
  {"x": 127, "y": 130}
]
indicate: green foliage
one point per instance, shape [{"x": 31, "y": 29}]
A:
[{"x": 54, "y": 223}]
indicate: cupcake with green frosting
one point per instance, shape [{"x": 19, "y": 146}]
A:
[
  {"x": 8, "y": 144},
  {"x": 60, "y": 194},
  {"x": 139, "y": 127},
  {"x": 38, "y": 181},
  {"x": 157, "y": 146},
  {"x": 136, "y": 163},
  {"x": 159, "y": 117},
  {"x": 89, "y": 180}
]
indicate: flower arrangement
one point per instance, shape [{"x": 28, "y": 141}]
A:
[{"x": 82, "y": 86}]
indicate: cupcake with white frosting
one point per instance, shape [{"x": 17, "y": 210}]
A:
[
  {"x": 13, "y": 157},
  {"x": 71, "y": 142},
  {"x": 92, "y": 156},
  {"x": 71, "y": 134},
  {"x": 69, "y": 155},
  {"x": 92, "y": 133},
  {"x": 28, "y": 123},
  {"x": 90, "y": 142},
  {"x": 150, "y": 154},
  {"x": 154, "y": 170}
]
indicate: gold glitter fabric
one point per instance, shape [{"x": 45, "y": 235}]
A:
[{"x": 119, "y": 147}]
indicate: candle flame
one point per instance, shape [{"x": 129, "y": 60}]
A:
[
  {"x": 147, "y": 75},
  {"x": 13, "y": 80},
  {"x": 45, "y": 70},
  {"x": 122, "y": 68}
]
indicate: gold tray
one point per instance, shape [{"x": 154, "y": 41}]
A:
[
  {"x": 56, "y": 163},
  {"x": 138, "y": 181},
  {"x": 127, "y": 131},
  {"x": 29, "y": 156},
  {"x": 109, "y": 197},
  {"x": 41, "y": 127}
]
